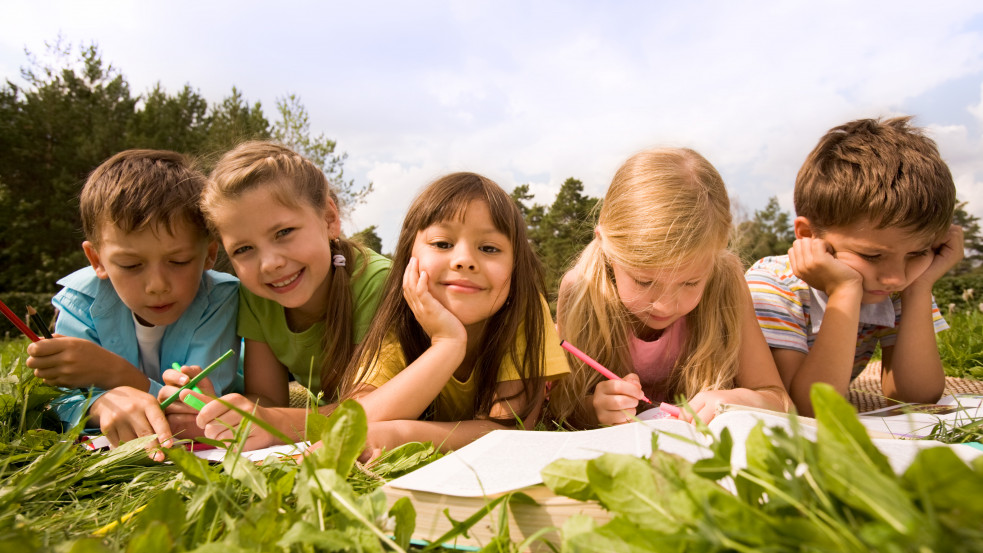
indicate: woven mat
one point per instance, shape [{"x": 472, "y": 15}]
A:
[
  {"x": 865, "y": 390},
  {"x": 298, "y": 394}
]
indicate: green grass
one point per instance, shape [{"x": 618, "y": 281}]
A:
[
  {"x": 56, "y": 495},
  {"x": 961, "y": 347}
]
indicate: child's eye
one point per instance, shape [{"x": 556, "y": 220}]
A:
[
  {"x": 490, "y": 249},
  {"x": 866, "y": 257},
  {"x": 182, "y": 262},
  {"x": 442, "y": 245},
  {"x": 921, "y": 253},
  {"x": 283, "y": 232},
  {"x": 129, "y": 267},
  {"x": 241, "y": 250},
  {"x": 691, "y": 283},
  {"x": 643, "y": 284}
]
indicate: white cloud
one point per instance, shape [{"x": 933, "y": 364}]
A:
[{"x": 538, "y": 92}]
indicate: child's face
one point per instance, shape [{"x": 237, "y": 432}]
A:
[
  {"x": 888, "y": 259},
  {"x": 658, "y": 298},
  {"x": 155, "y": 273},
  {"x": 279, "y": 252},
  {"x": 469, "y": 264}
]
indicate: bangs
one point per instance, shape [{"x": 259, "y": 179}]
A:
[{"x": 449, "y": 198}]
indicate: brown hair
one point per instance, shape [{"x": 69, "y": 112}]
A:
[
  {"x": 136, "y": 189},
  {"x": 446, "y": 199},
  {"x": 293, "y": 180},
  {"x": 885, "y": 171},
  {"x": 664, "y": 208}
]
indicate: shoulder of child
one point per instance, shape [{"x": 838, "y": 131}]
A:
[{"x": 83, "y": 280}]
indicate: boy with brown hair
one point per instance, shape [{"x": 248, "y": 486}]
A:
[
  {"x": 873, "y": 227},
  {"x": 147, "y": 301}
]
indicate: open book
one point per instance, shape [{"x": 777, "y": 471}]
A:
[
  {"x": 918, "y": 420},
  {"x": 505, "y": 461}
]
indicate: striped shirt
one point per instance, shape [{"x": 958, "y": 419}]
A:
[{"x": 781, "y": 303}]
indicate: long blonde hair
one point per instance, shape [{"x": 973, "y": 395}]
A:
[
  {"x": 294, "y": 181},
  {"x": 664, "y": 208}
]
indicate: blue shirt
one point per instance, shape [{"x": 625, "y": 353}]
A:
[{"x": 89, "y": 307}]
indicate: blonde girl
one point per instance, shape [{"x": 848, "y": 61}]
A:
[
  {"x": 659, "y": 299},
  {"x": 463, "y": 336},
  {"x": 308, "y": 294}
]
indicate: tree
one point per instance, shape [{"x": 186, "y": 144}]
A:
[
  {"x": 232, "y": 122},
  {"x": 973, "y": 244},
  {"x": 770, "y": 232},
  {"x": 293, "y": 130},
  {"x": 67, "y": 119},
  {"x": 368, "y": 238},
  {"x": 533, "y": 214},
  {"x": 564, "y": 230},
  {"x": 180, "y": 123}
]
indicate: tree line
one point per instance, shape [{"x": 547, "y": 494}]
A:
[{"x": 69, "y": 116}]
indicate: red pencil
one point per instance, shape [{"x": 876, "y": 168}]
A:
[{"x": 18, "y": 323}]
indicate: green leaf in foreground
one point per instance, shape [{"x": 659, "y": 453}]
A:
[
  {"x": 343, "y": 439},
  {"x": 854, "y": 470}
]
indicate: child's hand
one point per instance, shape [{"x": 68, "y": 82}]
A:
[
  {"x": 705, "y": 403},
  {"x": 436, "y": 320},
  {"x": 183, "y": 418},
  {"x": 812, "y": 261},
  {"x": 945, "y": 255},
  {"x": 615, "y": 400},
  {"x": 78, "y": 363},
  {"x": 382, "y": 436},
  {"x": 220, "y": 422},
  {"x": 126, "y": 413}
]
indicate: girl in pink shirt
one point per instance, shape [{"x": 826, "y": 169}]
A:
[{"x": 659, "y": 299}]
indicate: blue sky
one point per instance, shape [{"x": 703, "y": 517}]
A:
[{"x": 536, "y": 92}]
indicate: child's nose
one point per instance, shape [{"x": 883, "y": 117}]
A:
[
  {"x": 157, "y": 282},
  {"x": 463, "y": 260},
  {"x": 271, "y": 261},
  {"x": 892, "y": 276}
]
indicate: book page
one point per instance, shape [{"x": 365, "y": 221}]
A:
[
  {"x": 256, "y": 455},
  {"x": 507, "y": 460},
  {"x": 915, "y": 420}
]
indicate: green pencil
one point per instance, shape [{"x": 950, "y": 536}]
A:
[{"x": 197, "y": 379}]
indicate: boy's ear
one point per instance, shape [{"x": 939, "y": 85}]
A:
[
  {"x": 333, "y": 219},
  {"x": 803, "y": 228},
  {"x": 93, "y": 256},
  {"x": 211, "y": 255}
]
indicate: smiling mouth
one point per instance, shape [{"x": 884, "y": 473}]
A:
[
  {"x": 287, "y": 281},
  {"x": 462, "y": 286}
]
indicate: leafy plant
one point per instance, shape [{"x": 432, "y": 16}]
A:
[{"x": 835, "y": 494}]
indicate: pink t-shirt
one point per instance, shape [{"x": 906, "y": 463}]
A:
[{"x": 653, "y": 361}]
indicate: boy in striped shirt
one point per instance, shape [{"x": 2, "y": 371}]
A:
[{"x": 873, "y": 227}]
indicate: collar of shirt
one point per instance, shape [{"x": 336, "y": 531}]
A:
[{"x": 881, "y": 314}]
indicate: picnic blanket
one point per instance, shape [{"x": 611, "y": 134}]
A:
[{"x": 866, "y": 395}]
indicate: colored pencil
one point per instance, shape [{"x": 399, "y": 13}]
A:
[
  {"x": 39, "y": 322},
  {"x": 18, "y": 323},
  {"x": 594, "y": 364},
  {"x": 197, "y": 378}
]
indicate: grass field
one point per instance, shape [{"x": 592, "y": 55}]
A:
[{"x": 57, "y": 496}]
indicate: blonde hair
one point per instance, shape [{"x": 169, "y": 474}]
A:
[
  {"x": 294, "y": 181},
  {"x": 136, "y": 189},
  {"x": 447, "y": 199},
  {"x": 664, "y": 208}
]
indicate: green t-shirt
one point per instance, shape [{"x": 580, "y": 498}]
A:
[{"x": 264, "y": 320}]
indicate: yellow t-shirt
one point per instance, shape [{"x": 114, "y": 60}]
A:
[{"x": 456, "y": 399}]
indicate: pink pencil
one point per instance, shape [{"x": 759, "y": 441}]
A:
[
  {"x": 18, "y": 323},
  {"x": 594, "y": 364}
]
